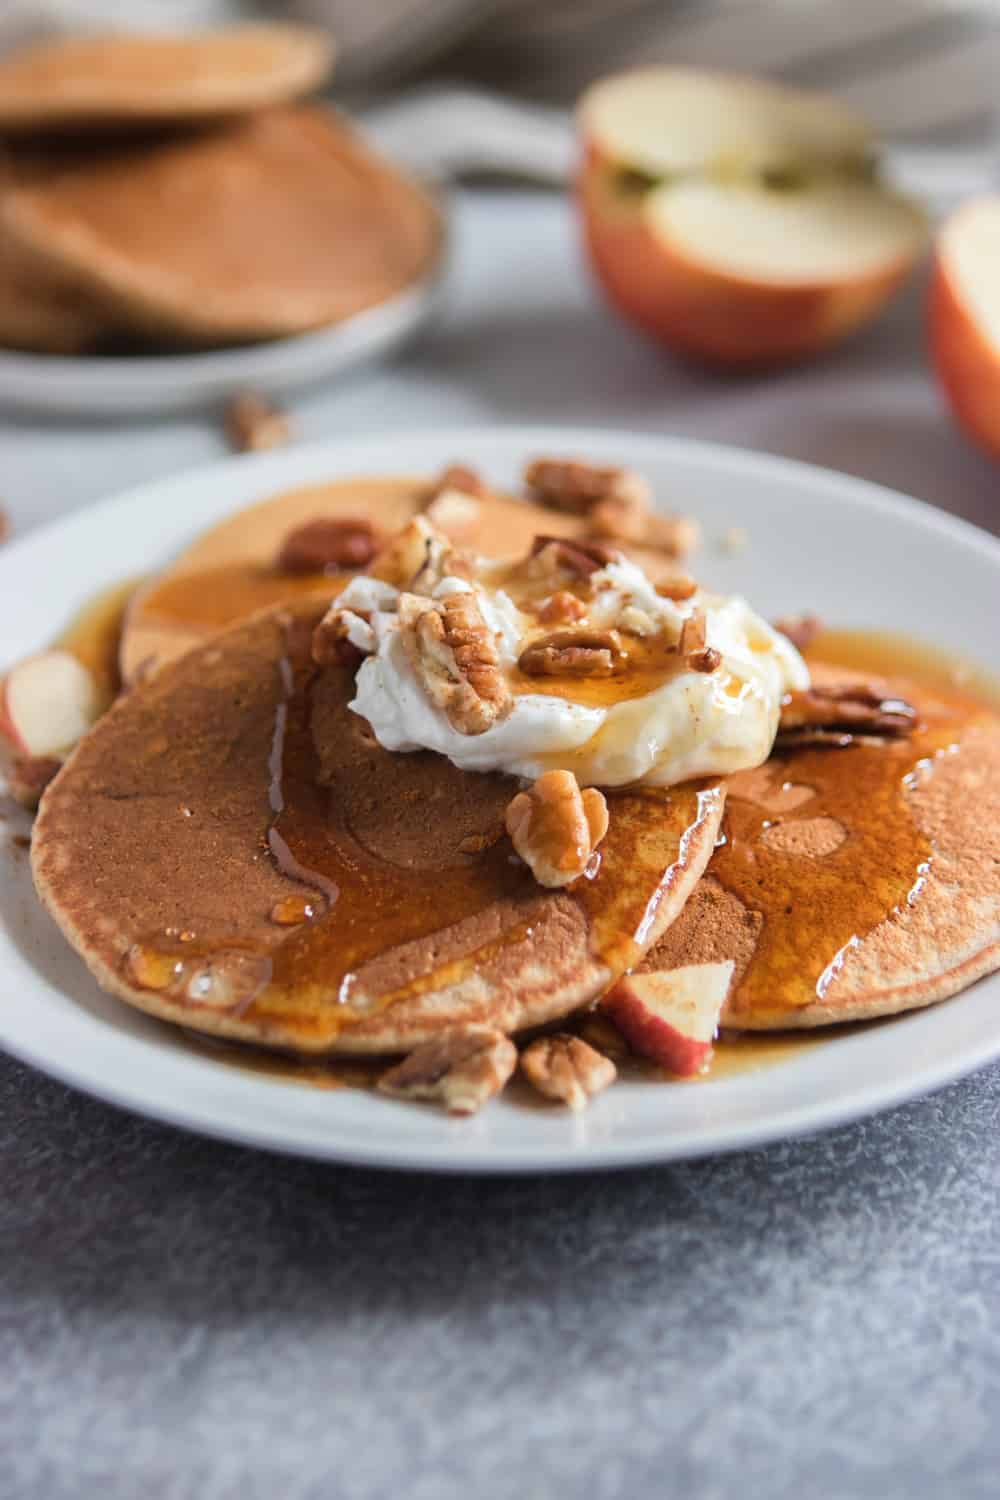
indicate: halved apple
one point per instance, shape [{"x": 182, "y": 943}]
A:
[
  {"x": 47, "y": 702},
  {"x": 738, "y": 222},
  {"x": 964, "y": 318},
  {"x": 671, "y": 1016}
]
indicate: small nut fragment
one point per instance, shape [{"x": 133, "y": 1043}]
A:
[
  {"x": 253, "y": 424},
  {"x": 851, "y": 709},
  {"x": 342, "y": 638},
  {"x": 600, "y": 1033},
  {"x": 417, "y": 558},
  {"x": 462, "y": 1069},
  {"x": 573, "y": 653},
  {"x": 461, "y": 477},
  {"x": 327, "y": 546},
  {"x": 29, "y": 776},
  {"x": 454, "y": 655},
  {"x": 679, "y": 588},
  {"x": 698, "y": 655},
  {"x": 561, "y": 608},
  {"x": 801, "y": 630},
  {"x": 565, "y": 1068},
  {"x": 555, "y": 827}
]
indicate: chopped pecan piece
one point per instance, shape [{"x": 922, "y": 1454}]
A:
[
  {"x": 462, "y": 1069},
  {"x": 29, "y": 776},
  {"x": 555, "y": 827},
  {"x": 327, "y": 545},
  {"x": 561, "y": 608},
  {"x": 573, "y": 653},
  {"x": 572, "y": 485},
  {"x": 253, "y": 424},
  {"x": 550, "y": 554},
  {"x": 852, "y": 709},
  {"x": 454, "y": 655},
  {"x": 564, "y": 1067},
  {"x": 801, "y": 630},
  {"x": 698, "y": 655},
  {"x": 679, "y": 588},
  {"x": 342, "y": 638},
  {"x": 627, "y": 518},
  {"x": 417, "y": 558}
]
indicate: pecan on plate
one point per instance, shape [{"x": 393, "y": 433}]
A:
[
  {"x": 454, "y": 655},
  {"x": 565, "y": 1068},
  {"x": 801, "y": 630},
  {"x": 555, "y": 827},
  {"x": 573, "y": 653},
  {"x": 462, "y": 1069},
  {"x": 575, "y": 486},
  {"x": 561, "y": 608},
  {"x": 327, "y": 545},
  {"x": 253, "y": 424},
  {"x": 342, "y": 638},
  {"x": 698, "y": 655},
  {"x": 416, "y": 558},
  {"x": 552, "y": 555},
  {"x": 819, "y": 713}
]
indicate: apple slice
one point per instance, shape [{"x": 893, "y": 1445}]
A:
[
  {"x": 671, "y": 1017},
  {"x": 964, "y": 318},
  {"x": 47, "y": 703},
  {"x": 738, "y": 222}
]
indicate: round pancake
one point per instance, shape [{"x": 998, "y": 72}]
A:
[
  {"x": 228, "y": 573},
  {"x": 269, "y": 227},
  {"x": 137, "y": 79},
  {"x": 888, "y": 857},
  {"x": 167, "y": 846}
]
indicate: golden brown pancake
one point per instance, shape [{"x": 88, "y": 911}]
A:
[
  {"x": 133, "y": 79},
  {"x": 183, "y": 841},
  {"x": 268, "y": 227},
  {"x": 855, "y": 882},
  {"x": 229, "y": 572}
]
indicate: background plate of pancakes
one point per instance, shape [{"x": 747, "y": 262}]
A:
[
  {"x": 856, "y": 554},
  {"x": 180, "y": 220}
]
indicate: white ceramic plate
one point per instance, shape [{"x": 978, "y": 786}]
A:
[
  {"x": 858, "y": 554},
  {"x": 135, "y": 385}
]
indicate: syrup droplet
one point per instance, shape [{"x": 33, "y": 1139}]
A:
[{"x": 292, "y": 910}]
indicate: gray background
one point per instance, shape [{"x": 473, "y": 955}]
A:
[{"x": 180, "y": 1317}]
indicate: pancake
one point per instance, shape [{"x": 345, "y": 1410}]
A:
[
  {"x": 855, "y": 882},
  {"x": 141, "y": 79},
  {"x": 229, "y": 572},
  {"x": 184, "y": 840},
  {"x": 269, "y": 227}
]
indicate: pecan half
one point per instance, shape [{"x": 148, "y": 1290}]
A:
[
  {"x": 462, "y": 1069},
  {"x": 572, "y": 485},
  {"x": 852, "y": 709},
  {"x": 801, "y": 630},
  {"x": 555, "y": 827},
  {"x": 454, "y": 655},
  {"x": 327, "y": 545},
  {"x": 565, "y": 1068},
  {"x": 698, "y": 655},
  {"x": 253, "y": 424},
  {"x": 573, "y": 653},
  {"x": 417, "y": 557}
]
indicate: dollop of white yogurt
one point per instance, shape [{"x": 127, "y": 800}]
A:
[{"x": 692, "y": 724}]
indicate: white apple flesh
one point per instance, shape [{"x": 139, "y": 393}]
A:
[
  {"x": 738, "y": 222},
  {"x": 671, "y": 1017},
  {"x": 48, "y": 702}
]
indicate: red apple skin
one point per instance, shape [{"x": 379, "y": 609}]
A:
[
  {"x": 704, "y": 314},
  {"x": 967, "y": 366},
  {"x": 651, "y": 1036},
  {"x": 7, "y": 729}
]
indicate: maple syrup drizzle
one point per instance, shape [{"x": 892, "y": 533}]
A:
[
  {"x": 94, "y": 636},
  {"x": 212, "y": 598}
]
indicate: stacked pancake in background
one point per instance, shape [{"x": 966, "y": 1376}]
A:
[{"x": 175, "y": 192}]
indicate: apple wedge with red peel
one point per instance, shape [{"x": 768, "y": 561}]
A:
[
  {"x": 47, "y": 703},
  {"x": 671, "y": 1017},
  {"x": 738, "y": 222},
  {"x": 964, "y": 318}
]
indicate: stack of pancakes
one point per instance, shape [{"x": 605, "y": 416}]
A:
[
  {"x": 231, "y": 850},
  {"x": 174, "y": 191}
]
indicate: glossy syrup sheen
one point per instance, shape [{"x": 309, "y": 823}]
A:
[
  {"x": 215, "y": 597},
  {"x": 814, "y": 909},
  {"x": 94, "y": 635}
]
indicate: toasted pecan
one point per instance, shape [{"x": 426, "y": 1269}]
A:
[
  {"x": 462, "y": 1069},
  {"x": 328, "y": 545},
  {"x": 573, "y": 653},
  {"x": 555, "y": 827},
  {"x": 454, "y": 656},
  {"x": 563, "y": 1067},
  {"x": 850, "y": 709}
]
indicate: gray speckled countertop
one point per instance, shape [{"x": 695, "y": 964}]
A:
[{"x": 821, "y": 1319}]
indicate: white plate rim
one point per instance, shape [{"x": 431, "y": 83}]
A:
[{"x": 952, "y": 1056}]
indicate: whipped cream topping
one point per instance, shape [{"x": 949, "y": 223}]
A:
[{"x": 689, "y": 723}]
